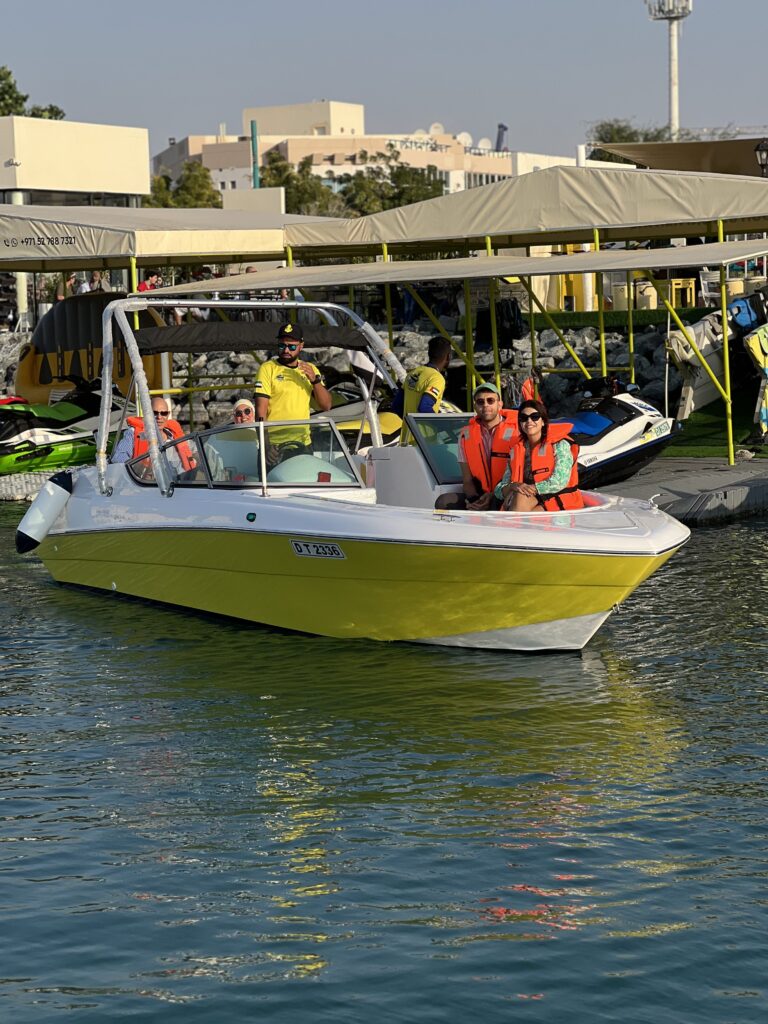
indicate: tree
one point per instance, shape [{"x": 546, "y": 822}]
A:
[
  {"x": 305, "y": 193},
  {"x": 195, "y": 188},
  {"x": 161, "y": 194},
  {"x": 13, "y": 102},
  {"x": 387, "y": 183}
]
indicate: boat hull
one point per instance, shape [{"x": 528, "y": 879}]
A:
[{"x": 471, "y": 596}]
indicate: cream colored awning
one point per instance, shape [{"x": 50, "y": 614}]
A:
[
  {"x": 61, "y": 237},
  {"x": 715, "y": 254},
  {"x": 561, "y": 204}
]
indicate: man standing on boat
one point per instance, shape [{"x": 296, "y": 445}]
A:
[
  {"x": 484, "y": 447},
  {"x": 287, "y": 385},
  {"x": 422, "y": 390}
]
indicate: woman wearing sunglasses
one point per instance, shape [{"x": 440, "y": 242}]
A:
[{"x": 542, "y": 473}]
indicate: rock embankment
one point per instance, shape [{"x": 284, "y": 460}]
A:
[{"x": 239, "y": 369}]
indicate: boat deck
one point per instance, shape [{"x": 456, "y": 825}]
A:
[{"x": 698, "y": 492}]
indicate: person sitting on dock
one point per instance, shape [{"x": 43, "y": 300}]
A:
[
  {"x": 542, "y": 474},
  {"x": 484, "y": 447},
  {"x": 423, "y": 387}
]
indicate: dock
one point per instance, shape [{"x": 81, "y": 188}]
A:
[{"x": 701, "y": 492}]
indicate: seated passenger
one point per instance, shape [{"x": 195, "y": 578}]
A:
[
  {"x": 484, "y": 447},
  {"x": 542, "y": 473},
  {"x": 243, "y": 411},
  {"x": 134, "y": 442}
]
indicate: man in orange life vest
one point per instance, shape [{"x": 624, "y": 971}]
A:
[
  {"x": 133, "y": 443},
  {"x": 484, "y": 447}
]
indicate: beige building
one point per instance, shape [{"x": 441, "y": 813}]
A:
[
  {"x": 332, "y": 136},
  {"x": 67, "y": 163}
]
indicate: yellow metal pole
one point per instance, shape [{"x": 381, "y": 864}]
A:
[
  {"x": 469, "y": 342},
  {"x": 388, "y": 297},
  {"x": 442, "y": 331},
  {"x": 494, "y": 326},
  {"x": 569, "y": 348},
  {"x": 532, "y": 300},
  {"x": 600, "y": 310},
  {"x": 688, "y": 336},
  {"x": 289, "y": 256},
  {"x": 726, "y": 355},
  {"x": 630, "y": 328}
]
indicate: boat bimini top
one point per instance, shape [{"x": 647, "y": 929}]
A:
[{"x": 340, "y": 327}]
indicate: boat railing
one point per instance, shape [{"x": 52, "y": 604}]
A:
[{"x": 117, "y": 313}]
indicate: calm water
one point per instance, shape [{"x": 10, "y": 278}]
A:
[{"x": 207, "y": 822}]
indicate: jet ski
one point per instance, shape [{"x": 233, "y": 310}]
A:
[
  {"x": 37, "y": 438},
  {"x": 617, "y": 432}
]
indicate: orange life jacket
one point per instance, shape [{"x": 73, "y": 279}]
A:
[
  {"x": 528, "y": 390},
  {"x": 488, "y": 472},
  {"x": 543, "y": 466},
  {"x": 169, "y": 431}
]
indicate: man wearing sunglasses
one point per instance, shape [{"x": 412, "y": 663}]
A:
[
  {"x": 243, "y": 412},
  {"x": 287, "y": 385},
  {"x": 484, "y": 447}
]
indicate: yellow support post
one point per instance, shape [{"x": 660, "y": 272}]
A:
[
  {"x": 688, "y": 336},
  {"x": 469, "y": 342},
  {"x": 532, "y": 300},
  {"x": 568, "y": 347},
  {"x": 388, "y": 297},
  {"x": 726, "y": 355},
  {"x": 494, "y": 325},
  {"x": 289, "y": 256},
  {"x": 630, "y": 327},
  {"x": 134, "y": 284},
  {"x": 600, "y": 310},
  {"x": 442, "y": 331}
]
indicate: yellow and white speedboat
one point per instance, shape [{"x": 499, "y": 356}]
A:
[{"x": 275, "y": 525}]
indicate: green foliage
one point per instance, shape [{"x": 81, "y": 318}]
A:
[
  {"x": 49, "y": 113},
  {"x": 161, "y": 194},
  {"x": 13, "y": 102},
  {"x": 383, "y": 184},
  {"x": 194, "y": 189}
]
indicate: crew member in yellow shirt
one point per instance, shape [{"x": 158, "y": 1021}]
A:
[
  {"x": 422, "y": 390},
  {"x": 287, "y": 385}
]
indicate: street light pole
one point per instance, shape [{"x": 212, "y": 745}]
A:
[{"x": 672, "y": 11}]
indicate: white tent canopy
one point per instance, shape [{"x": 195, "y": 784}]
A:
[
  {"x": 559, "y": 203},
  {"x": 60, "y": 237},
  {"x": 715, "y": 254}
]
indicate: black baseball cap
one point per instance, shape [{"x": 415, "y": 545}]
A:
[{"x": 290, "y": 331}]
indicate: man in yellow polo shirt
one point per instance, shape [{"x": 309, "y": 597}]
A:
[
  {"x": 422, "y": 390},
  {"x": 287, "y": 385}
]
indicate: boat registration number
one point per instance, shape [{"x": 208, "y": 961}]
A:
[
  {"x": 658, "y": 431},
  {"x": 314, "y": 549}
]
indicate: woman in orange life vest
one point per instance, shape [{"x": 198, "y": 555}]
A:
[
  {"x": 134, "y": 442},
  {"x": 484, "y": 447},
  {"x": 542, "y": 472}
]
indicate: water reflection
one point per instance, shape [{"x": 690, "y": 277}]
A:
[{"x": 246, "y": 807}]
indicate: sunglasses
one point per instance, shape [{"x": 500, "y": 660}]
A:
[
  {"x": 160, "y": 412},
  {"x": 534, "y": 417},
  {"x": 486, "y": 401},
  {"x": 285, "y": 344},
  {"x": 243, "y": 414}
]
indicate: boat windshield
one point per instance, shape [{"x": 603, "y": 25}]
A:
[
  {"x": 296, "y": 454},
  {"x": 437, "y": 436}
]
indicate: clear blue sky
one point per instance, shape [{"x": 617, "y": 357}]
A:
[{"x": 547, "y": 68}]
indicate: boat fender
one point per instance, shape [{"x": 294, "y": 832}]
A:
[{"x": 43, "y": 512}]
